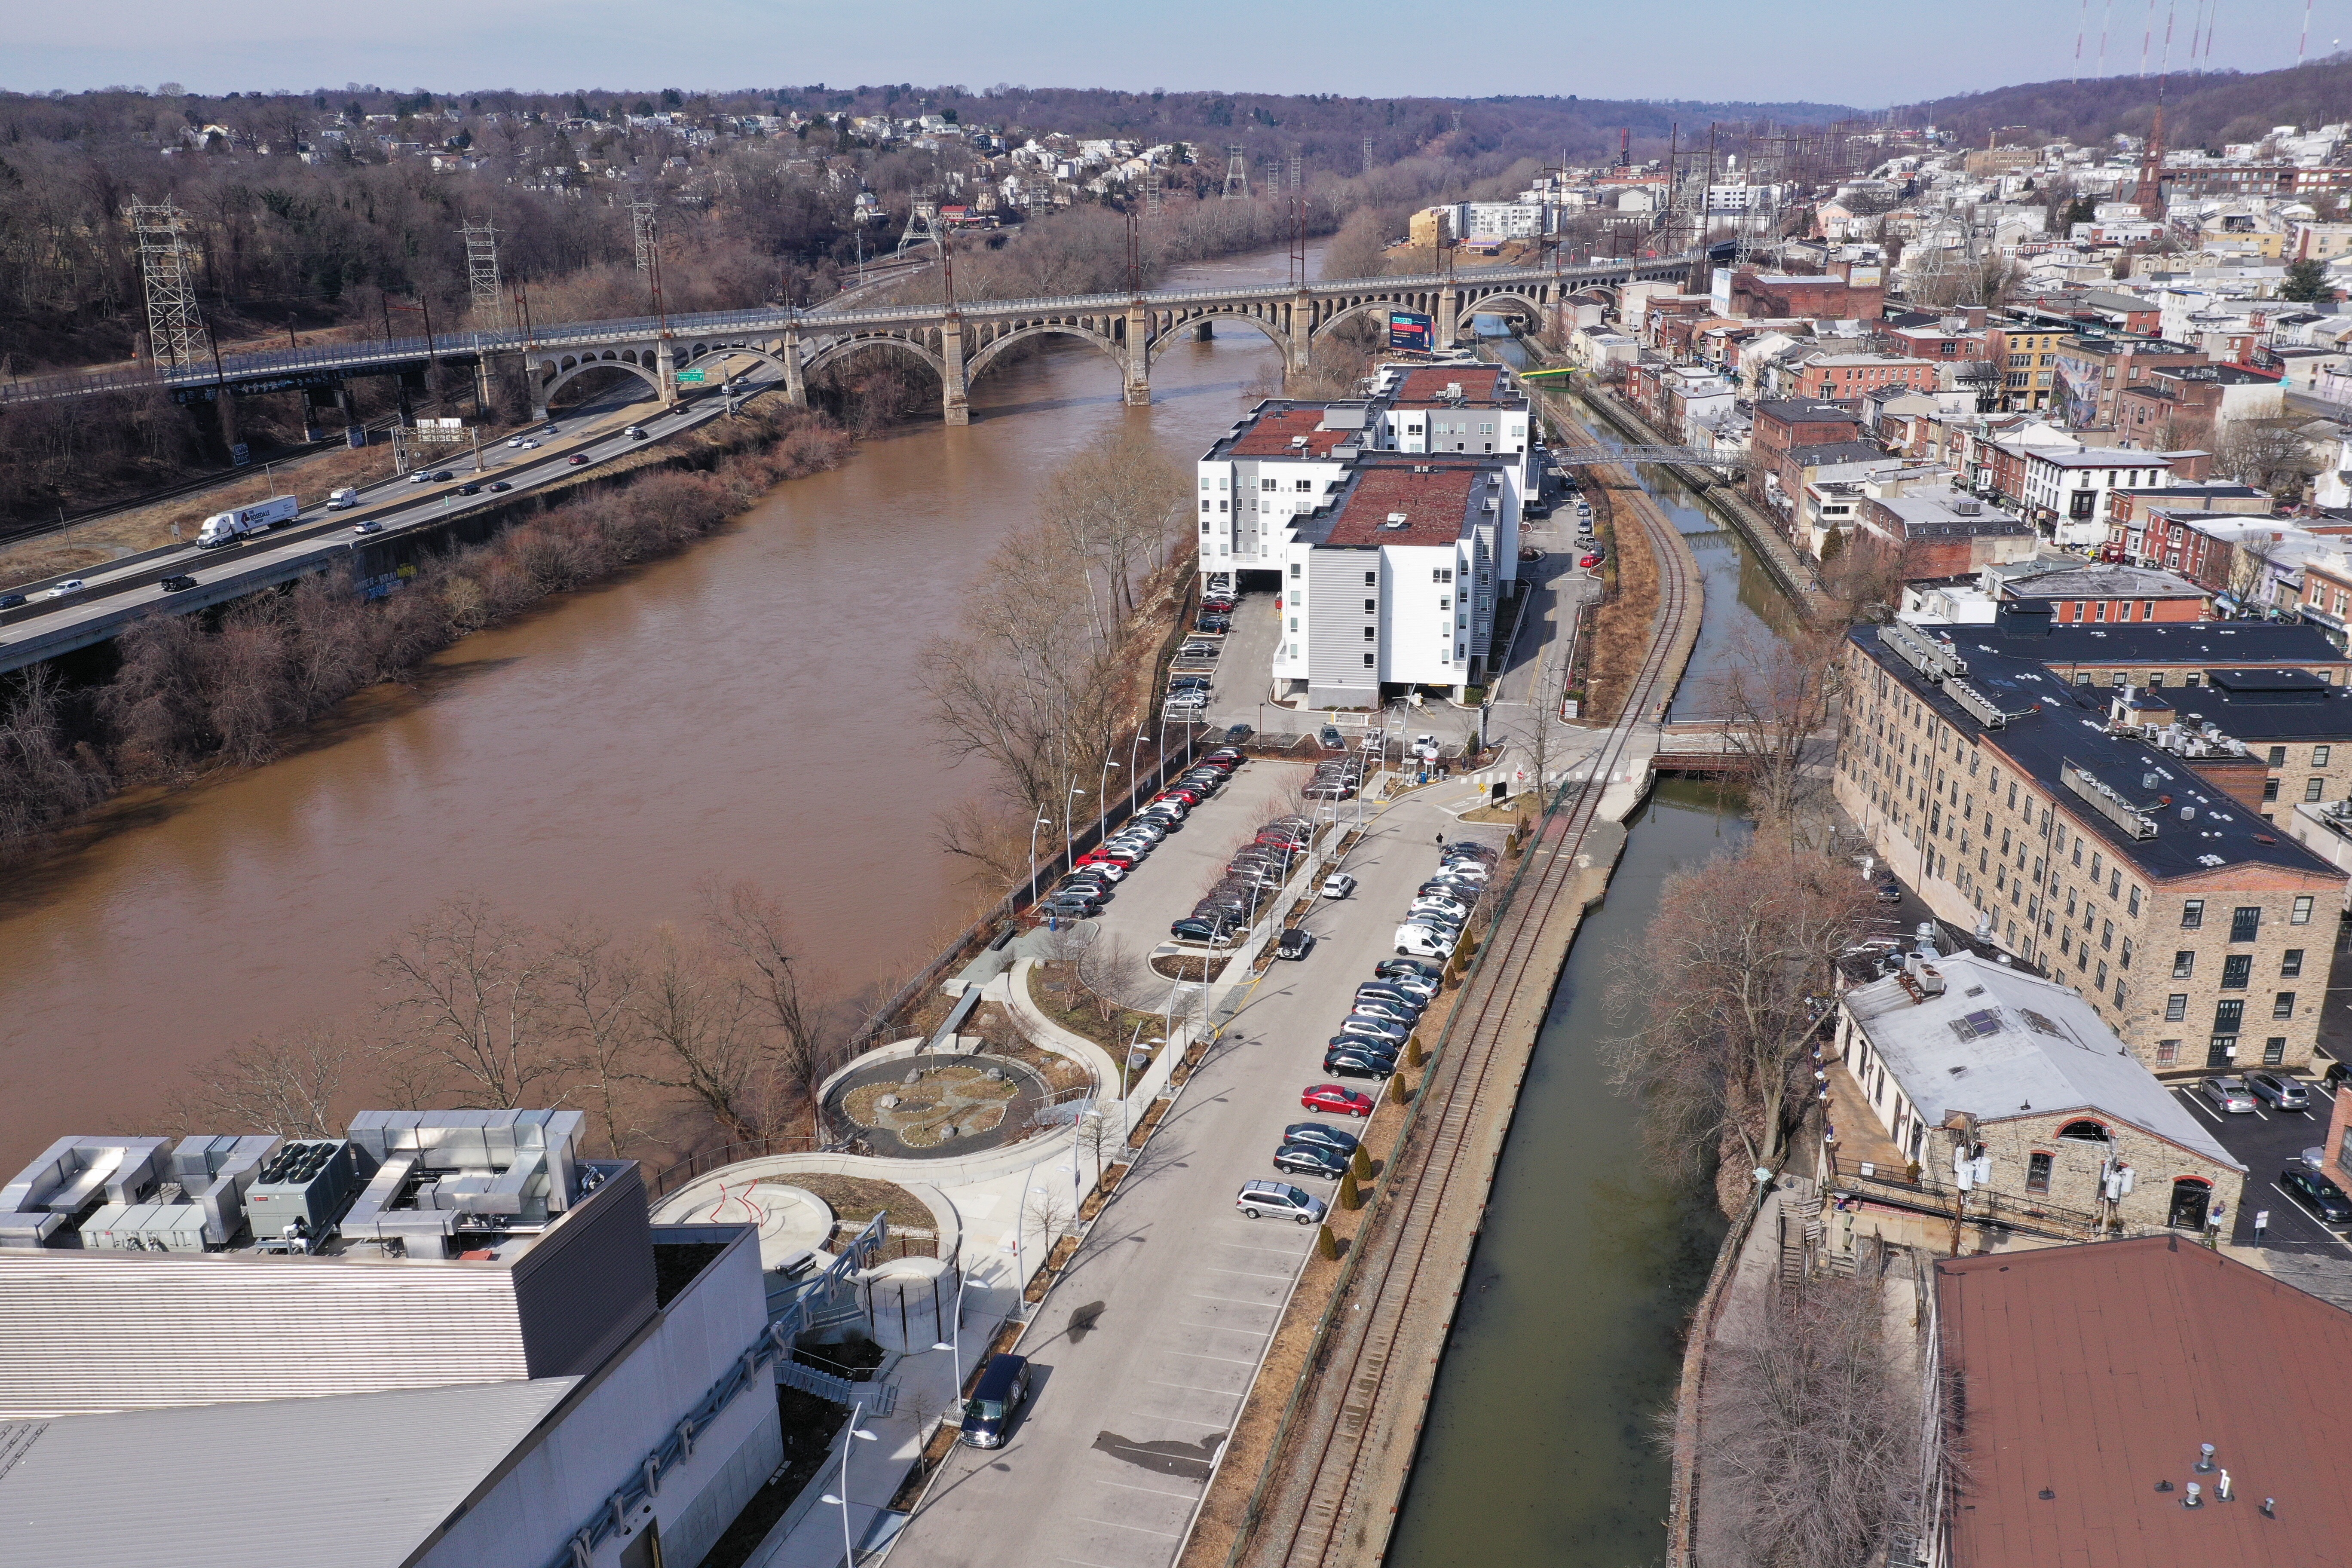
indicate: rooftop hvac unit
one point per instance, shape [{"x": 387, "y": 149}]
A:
[
  {"x": 309, "y": 1182},
  {"x": 2111, "y": 806},
  {"x": 1932, "y": 656},
  {"x": 1969, "y": 507},
  {"x": 145, "y": 1227},
  {"x": 1978, "y": 705}
]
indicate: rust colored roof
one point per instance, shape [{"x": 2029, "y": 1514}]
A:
[
  {"x": 1269, "y": 436},
  {"x": 1435, "y": 505},
  {"x": 2094, "y": 1371},
  {"x": 1426, "y": 387}
]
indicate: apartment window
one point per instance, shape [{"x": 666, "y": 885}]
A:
[
  {"x": 2123, "y": 961},
  {"x": 2245, "y": 922},
  {"x": 1371, "y": 606},
  {"x": 2228, "y": 1015},
  {"x": 2236, "y": 970},
  {"x": 1371, "y": 579},
  {"x": 2270, "y": 789},
  {"x": 2184, "y": 963},
  {"x": 2176, "y": 1007},
  {"x": 1371, "y": 634},
  {"x": 2312, "y": 788},
  {"x": 2278, "y": 756},
  {"x": 2302, "y": 916},
  {"x": 2037, "y": 1173},
  {"x": 1367, "y": 661},
  {"x": 2319, "y": 755},
  {"x": 1266, "y": 485},
  {"x": 2192, "y": 914},
  {"x": 1293, "y": 571},
  {"x": 2166, "y": 1052},
  {"x": 2283, "y": 1005},
  {"x": 1440, "y": 575},
  {"x": 2290, "y": 964},
  {"x": 1294, "y": 623}
]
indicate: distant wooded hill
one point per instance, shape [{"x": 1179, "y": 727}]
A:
[{"x": 2203, "y": 109}]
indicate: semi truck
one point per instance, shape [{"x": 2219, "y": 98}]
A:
[{"x": 228, "y": 527}]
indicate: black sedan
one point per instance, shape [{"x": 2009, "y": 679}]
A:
[
  {"x": 1347, "y": 1061},
  {"x": 1199, "y": 930},
  {"x": 2314, "y": 1192},
  {"x": 1389, "y": 967},
  {"x": 1310, "y": 1160},
  {"x": 1319, "y": 1132}
]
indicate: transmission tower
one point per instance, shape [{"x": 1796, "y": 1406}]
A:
[
  {"x": 922, "y": 224},
  {"x": 1152, "y": 193},
  {"x": 1368, "y": 154},
  {"x": 641, "y": 219},
  {"x": 1236, "y": 174},
  {"x": 1296, "y": 167},
  {"x": 176, "y": 331},
  {"x": 482, "y": 271}
]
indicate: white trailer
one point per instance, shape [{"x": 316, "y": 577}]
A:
[{"x": 228, "y": 527}]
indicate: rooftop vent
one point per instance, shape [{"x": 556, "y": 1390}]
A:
[{"x": 1396, "y": 519}]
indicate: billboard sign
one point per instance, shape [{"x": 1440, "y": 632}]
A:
[{"x": 1410, "y": 329}]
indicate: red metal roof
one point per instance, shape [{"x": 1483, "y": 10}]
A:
[
  {"x": 1269, "y": 436},
  {"x": 1435, "y": 505},
  {"x": 2094, "y": 1371}
]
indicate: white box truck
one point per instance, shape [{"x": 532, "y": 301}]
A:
[
  {"x": 343, "y": 499},
  {"x": 228, "y": 527}
]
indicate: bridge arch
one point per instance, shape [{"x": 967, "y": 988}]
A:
[
  {"x": 545, "y": 391},
  {"x": 723, "y": 351},
  {"x": 842, "y": 348},
  {"x": 995, "y": 347},
  {"x": 1536, "y": 309},
  {"x": 1182, "y": 321},
  {"x": 1363, "y": 307}
]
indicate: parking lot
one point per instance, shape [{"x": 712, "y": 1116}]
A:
[
  {"x": 1244, "y": 673},
  {"x": 1157, "y": 1331},
  {"x": 2267, "y": 1139}
]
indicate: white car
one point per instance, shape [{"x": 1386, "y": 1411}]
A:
[
  {"x": 1339, "y": 885},
  {"x": 70, "y": 587},
  {"x": 1188, "y": 700},
  {"x": 1439, "y": 903},
  {"x": 514, "y": 440},
  {"x": 529, "y": 446}
]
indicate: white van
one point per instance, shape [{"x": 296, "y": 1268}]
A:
[
  {"x": 1415, "y": 941},
  {"x": 343, "y": 499}
]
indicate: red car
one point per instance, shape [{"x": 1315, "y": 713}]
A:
[
  {"x": 1591, "y": 561},
  {"x": 578, "y": 457},
  {"x": 1337, "y": 1100},
  {"x": 1110, "y": 857},
  {"x": 1227, "y": 759},
  {"x": 1185, "y": 794}
]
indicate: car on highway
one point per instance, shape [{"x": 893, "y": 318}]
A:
[
  {"x": 1336, "y": 1099},
  {"x": 66, "y": 589},
  {"x": 1297, "y": 941},
  {"x": 635, "y": 432},
  {"x": 1320, "y": 1133},
  {"x": 1203, "y": 929},
  {"x": 2226, "y": 1092},
  {"x": 500, "y": 485},
  {"x": 1389, "y": 968},
  {"x": 1310, "y": 1160},
  {"x": 514, "y": 441},
  {"x": 577, "y": 458},
  {"x": 421, "y": 476},
  {"x": 1352, "y": 1061},
  {"x": 2281, "y": 1093},
  {"x": 2315, "y": 1192},
  {"x": 367, "y": 525},
  {"x": 441, "y": 476},
  {"x": 531, "y": 445},
  {"x": 178, "y": 583},
  {"x": 469, "y": 489},
  {"x": 1339, "y": 885},
  {"x": 1278, "y": 1198}
]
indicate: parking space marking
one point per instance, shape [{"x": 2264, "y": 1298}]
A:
[
  {"x": 1198, "y": 1388},
  {"x": 1155, "y": 1491},
  {"x": 1183, "y": 1420},
  {"x": 1080, "y": 1562},
  {"x": 1246, "y": 1274},
  {"x": 1114, "y": 1524},
  {"x": 1278, "y": 1251},
  {"x": 1222, "y": 1328},
  {"x": 1195, "y": 1356},
  {"x": 1235, "y": 1300},
  {"x": 2197, "y": 1102},
  {"x": 2316, "y": 1223}
]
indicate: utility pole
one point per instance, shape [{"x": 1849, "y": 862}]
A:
[
  {"x": 482, "y": 271},
  {"x": 1368, "y": 154},
  {"x": 1236, "y": 174},
  {"x": 640, "y": 223},
  {"x": 175, "y": 328}
]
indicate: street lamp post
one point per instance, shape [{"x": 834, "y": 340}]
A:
[
  {"x": 953, "y": 1345},
  {"x": 1134, "y": 780},
  {"x": 1102, "y": 801},
  {"x": 848, "y": 1551},
  {"x": 1043, "y": 821},
  {"x": 1069, "y": 847}
]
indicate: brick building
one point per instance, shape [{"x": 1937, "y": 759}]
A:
[
  {"x": 1820, "y": 297},
  {"x": 2003, "y": 796},
  {"x": 2295, "y": 728},
  {"x": 1850, "y": 377},
  {"x": 2027, "y": 355},
  {"x": 2171, "y": 653},
  {"x": 2093, "y": 371},
  {"x": 2106, "y": 594},
  {"x": 1940, "y": 531},
  {"x": 1783, "y": 423},
  {"x": 1964, "y": 1055}
]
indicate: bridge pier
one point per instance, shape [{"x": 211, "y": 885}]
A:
[
  {"x": 1139, "y": 356},
  {"x": 954, "y": 403},
  {"x": 1449, "y": 318},
  {"x": 1302, "y": 328},
  {"x": 795, "y": 385},
  {"x": 665, "y": 370}
]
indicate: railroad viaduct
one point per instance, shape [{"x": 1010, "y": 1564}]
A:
[{"x": 959, "y": 340}]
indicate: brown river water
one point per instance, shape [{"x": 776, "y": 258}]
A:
[{"x": 747, "y": 708}]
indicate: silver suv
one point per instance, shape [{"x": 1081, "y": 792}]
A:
[{"x": 1279, "y": 1198}]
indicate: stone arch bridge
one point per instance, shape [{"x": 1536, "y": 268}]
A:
[{"x": 959, "y": 342}]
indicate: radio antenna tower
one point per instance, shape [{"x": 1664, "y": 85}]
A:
[
  {"x": 641, "y": 220},
  {"x": 482, "y": 271},
  {"x": 176, "y": 331},
  {"x": 1236, "y": 174}
]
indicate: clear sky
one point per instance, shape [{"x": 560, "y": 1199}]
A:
[{"x": 1842, "y": 51}]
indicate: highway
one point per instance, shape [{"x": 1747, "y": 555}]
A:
[{"x": 121, "y": 592}]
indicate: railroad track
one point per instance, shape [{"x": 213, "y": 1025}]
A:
[{"x": 1337, "y": 1433}]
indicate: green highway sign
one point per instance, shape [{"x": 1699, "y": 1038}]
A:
[{"x": 689, "y": 378}]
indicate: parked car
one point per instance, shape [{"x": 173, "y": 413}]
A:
[
  {"x": 1238, "y": 733},
  {"x": 1387, "y": 991},
  {"x": 1071, "y": 906},
  {"x": 1195, "y": 928},
  {"x": 1320, "y": 1133},
  {"x": 1213, "y": 624},
  {"x": 1406, "y": 983},
  {"x": 1331, "y": 738},
  {"x": 1225, "y": 757},
  {"x": 179, "y": 583},
  {"x": 1312, "y": 1160},
  {"x": 1189, "y": 683},
  {"x": 1123, "y": 856},
  {"x": 1438, "y": 904},
  {"x": 1327, "y": 789},
  {"x": 1367, "y": 1026},
  {"x": 1278, "y": 1198},
  {"x": 1389, "y": 968},
  {"x": 1297, "y": 941},
  {"x": 1349, "y": 1061},
  {"x": 1888, "y": 892},
  {"x": 2280, "y": 1092},
  {"x": 1336, "y": 1099},
  {"x": 1423, "y": 942},
  {"x": 2337, "y": 1075},
  {"x": 1339, "y": 885},
  {"x": 2226, "y": 1092},
  {"x": 1188, "y": 701},
  {"x": 1217, "y": 605},
  {"x": 1384, "y": 1010},
  {"x": 1589, "y": 560},
  {"x": 2314, "y": 1192},
  {"x": 996, "y": 1399}
]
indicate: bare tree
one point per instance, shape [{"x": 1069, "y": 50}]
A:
[
  {"x": 1112, "y": 973},
  {"x": 1110, "y": 508},
  {"x": 752, "y": 930},
  {"x": 695, "y": 1020},
  {"x": 992, "y": 843},
  {"x": 592, "y": 992},
  {"x": 1730, "y": 983},
  {"x": 1051, "y": 1213},
  {"x": 290, "y": 1083},
  {"x": 472, "y": 982},
  {"x": 2268, "y": 454},
  {"x": 1776, "y": 697},
  {"x": 1813, "y": 1418}
]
